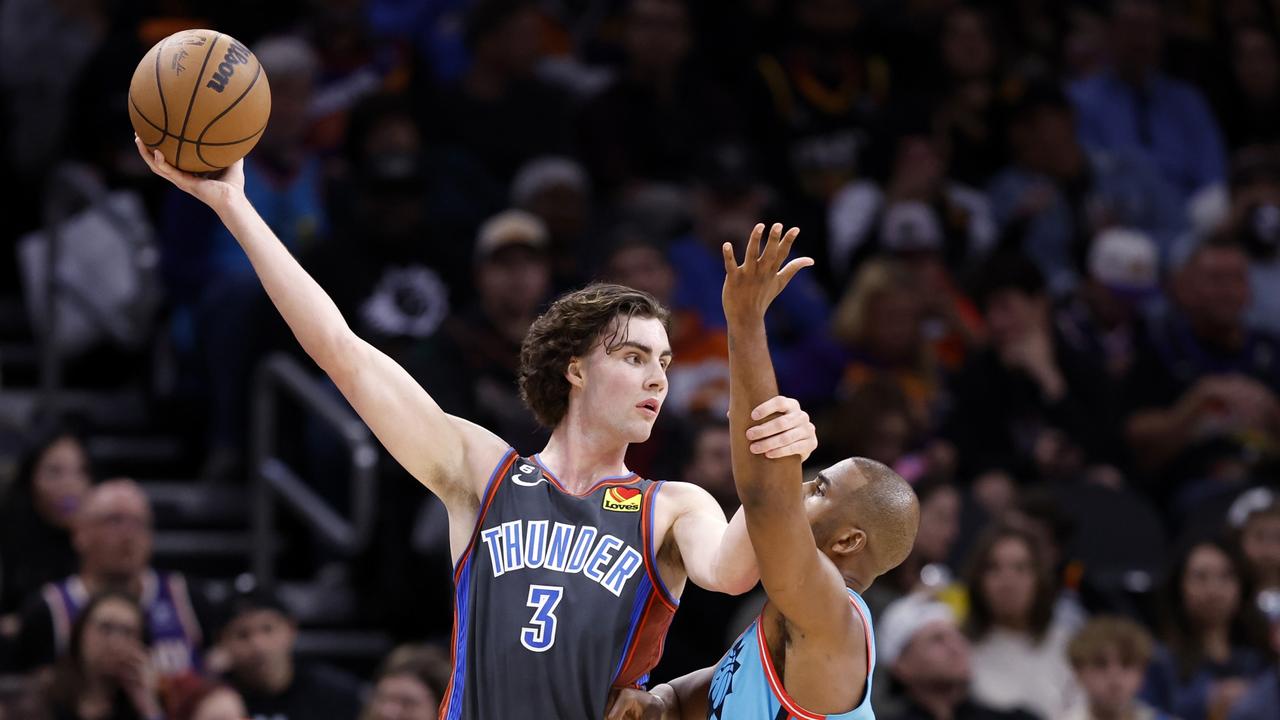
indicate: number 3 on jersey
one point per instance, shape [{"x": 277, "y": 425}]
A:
[{"x": 540, "y": 634}]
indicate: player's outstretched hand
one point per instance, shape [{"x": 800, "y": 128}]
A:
[
  {"x": 751, "y": 286},
  {"x": 790, "y": 433},
  {"x": 214, "y": 190}
]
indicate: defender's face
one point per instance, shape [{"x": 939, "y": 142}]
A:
[{"x": 623, "y": 390}]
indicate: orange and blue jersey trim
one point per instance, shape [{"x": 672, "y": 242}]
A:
[{"x": 451, "y": 707}]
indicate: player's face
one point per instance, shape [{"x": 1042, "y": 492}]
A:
[{"x": 623, "y": 390}]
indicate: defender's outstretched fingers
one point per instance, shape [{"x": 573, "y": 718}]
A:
[
  {"x": 730, "y": 262},
  {"x": 794, "y": 267},
  {"x": 753, "y": 245}
]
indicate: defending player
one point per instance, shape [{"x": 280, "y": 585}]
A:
[
  {"x": 568, "y": 567},
  {"x": 811, "y": 653}
]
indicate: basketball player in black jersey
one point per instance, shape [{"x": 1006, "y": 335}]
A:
[{"x": 567, "y": 566}]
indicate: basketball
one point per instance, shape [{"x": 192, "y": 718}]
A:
[{"x": 201, "y": 98}]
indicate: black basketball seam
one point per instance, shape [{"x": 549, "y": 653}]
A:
[
  {"x": 164, "y": 132},
  {"x": 177, "y": 157},
  {"x": 160, "y": 87},
  {"x": 216, "y": 118},
  {"x": 222, "y": 144},
  {"x": 167, "y": 133}
]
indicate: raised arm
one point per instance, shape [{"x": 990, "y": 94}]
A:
[
  {"x": 448, "y": 455},
  {"x": 805, "y": 587}
]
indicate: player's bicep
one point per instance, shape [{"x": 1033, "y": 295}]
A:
[{"x": 443, "y": 453}]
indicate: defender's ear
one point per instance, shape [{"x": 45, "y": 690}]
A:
[{"x": 851, "y": 540}]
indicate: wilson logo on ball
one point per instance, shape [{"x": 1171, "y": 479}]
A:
[
  {"x": 622, "y": 499},
  {"x": 236, "y": 54}
]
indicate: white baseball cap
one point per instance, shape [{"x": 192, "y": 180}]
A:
[
  {"x": 905, "y": 617},
  {"x": 1125, "y": 260}
]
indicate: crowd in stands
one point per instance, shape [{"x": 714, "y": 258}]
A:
[{"x": 1046, "y": 292}]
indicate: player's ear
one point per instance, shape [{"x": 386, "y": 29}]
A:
[
  {"x": 849, "y": 541},
  {"x": 573, "y": 373}
]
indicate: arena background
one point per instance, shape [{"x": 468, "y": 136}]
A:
[{"x": 1047, "y": 292}]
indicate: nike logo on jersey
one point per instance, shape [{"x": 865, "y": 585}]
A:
[
  {"x": 518, "y": 478},
  {"x": 563, "y": 548}
]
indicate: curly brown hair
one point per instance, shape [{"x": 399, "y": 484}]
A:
[{"x": 570, "y": 328}]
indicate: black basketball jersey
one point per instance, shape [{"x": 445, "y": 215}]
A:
[{"x": 557, "y": 597}]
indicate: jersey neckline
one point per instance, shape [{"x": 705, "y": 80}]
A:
[{"x": 611, "y": 480}]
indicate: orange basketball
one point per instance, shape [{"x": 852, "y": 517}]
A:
[{"x": 201, "y": 98}]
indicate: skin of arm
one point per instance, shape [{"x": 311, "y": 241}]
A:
[{"x": 451, "y": 457}]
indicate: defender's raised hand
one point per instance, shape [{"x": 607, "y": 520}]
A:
[{"x": 751, "y": 286}]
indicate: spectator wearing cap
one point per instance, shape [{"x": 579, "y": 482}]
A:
[
  {"x": 1202, "y": 392},
  {"x": 259, "y": 638},
  {"x": 1029, "y": 405},
  {"x": 728, "y": 200},
  {"x": 1254, "y": 519},
  {"x": 1058, "y": 193},
  {"x": 1109, "y": 656},
  {"x": 1134, "y": 103},
  {"x": 1102, "y": 319},
  {"x": 470, "y": 367},
  {"x": 557, "y": 190},
  {"x": 918, "y": 209},
  {"x": 930, "y": 662}
]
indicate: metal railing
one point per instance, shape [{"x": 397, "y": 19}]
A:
[{"x": 273, "y": 479}]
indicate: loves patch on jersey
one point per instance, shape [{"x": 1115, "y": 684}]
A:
[{"x": 623, "y": 499}]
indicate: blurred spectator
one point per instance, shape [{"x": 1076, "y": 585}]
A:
[
  {"x": 729, "y": 199},
  {"x": 1053, "y": 411},
  {"x": 1203, "y": 387},
  {"x": 499, "y": 112},
  {"x": 470, "y": 366},
  {"x": 217, "y": 321},
  {"x": 1253, "y": 220},
  {"x": 930, "y": 660},
  {"x": 971, "y": 114},
  {"x": 1020, "y": 645},
  {"x": 1255, "y": 519},
  {"x": 106, "y": 673},
  {"x": 1109, "y": 656},
  {"x": 919, "y": 208},
  {"x": 199, "y": 699},
  {"x": 556, "y": 189},
  {"x": 1058, "y": 193},
  {"x": 877, "y": 332},
  {"x": 112, "y": 535},
  {"x": 384, "y": 267},
  {"x": 1261, "y": 700},
  {"x": 1102, "y": 319},
  {"x": 815, "y": 108},
  {"x": 656, "y": 88},
  {"x": 1215, "y": 640},
  {"x": 409, "y": 685},
  {"x": 1134, "y": 104},
  {"x": 925, "y": 569},
  {"x": 37, "y": 514},
  {"x": 259, "y": 639},
  {"x": 1252, "y": 92},
  {"x": 699, "y": 383},
  {"x": 1039, "y": 513}
]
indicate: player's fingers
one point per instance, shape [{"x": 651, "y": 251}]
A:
[
  {"x": 775, "y": 404},
  {"x": 793, "y": 267},
  {"x": 801, "y": 449},
  {"x": 730, "y": 263},
  {"x": 770, "y": 254},
  {"x": 777, "y": 425},
  {"x": 753, "y": 243},
  {"x": 781, "y": 440}
]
